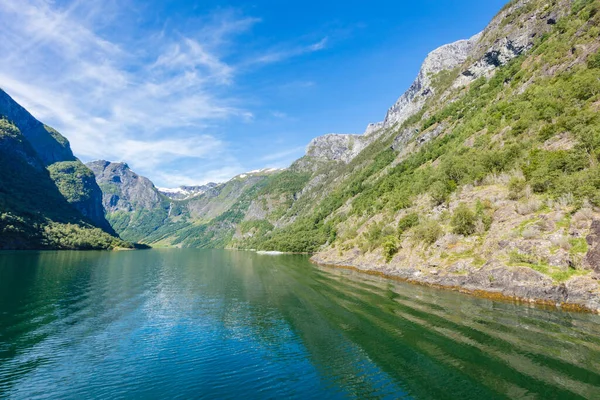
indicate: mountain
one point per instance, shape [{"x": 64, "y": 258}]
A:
[
  {"x": 48, "y": 199},
  {"x": 186, "y": 192},
  {"x": 483, "y": 176},
  {"x": 72, "y": 178},
  {"x": 198, "y": 216}
]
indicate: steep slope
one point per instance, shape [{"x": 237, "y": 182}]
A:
[
  {"x": 73, "y": 179},
  {"x": 33, "y": 212},
  {"x": 139, "y": 212},
  {"x": 483, "y": 175},
  {"x": 134, "y": 207},
  {"x": 491, "y": 184}
]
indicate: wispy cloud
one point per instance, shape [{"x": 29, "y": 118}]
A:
[
  {"x": 148, "y": 101},
  {"x": 281, "y": 54},
  {"x": 284, "y": 155}
]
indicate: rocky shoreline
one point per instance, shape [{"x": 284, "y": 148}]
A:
[{"x": 492, "y": 281}]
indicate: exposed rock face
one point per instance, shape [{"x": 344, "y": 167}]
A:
[
  {"x": 592, "y": 259},
  {"x": 495, "y": 281},
  {"x": 54, "y": 151},
  {"x": 123, "y": 189},
  {"x": 443, "y": 58},
  {"x": 478, "y": 56},
  {"x": 337, "y": 147},
  {"x": 345, "y": 147},
  {"x": 187, "y": 192},
  {"x": 501, "y": 42}
]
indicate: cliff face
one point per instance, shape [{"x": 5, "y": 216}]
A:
[
  {"x": 72, "y": 178},
  {"x": 123, "y": 189},
  {"x": 511, "y": 33},
  {"x": 49, "y": 145},
  {"x": 344, "y": 148},
  {"x": 441, "y": 59},
  {"x": 34, "y": 214}
]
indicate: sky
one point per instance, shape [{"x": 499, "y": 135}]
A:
[{"x": 189, "y": 92}]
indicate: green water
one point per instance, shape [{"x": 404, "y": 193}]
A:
[{"x": 224, "y": 324}]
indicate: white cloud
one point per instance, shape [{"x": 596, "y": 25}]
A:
[
  {"x": 148, "y": 101},
  {"x": 281, "y": 54},
  {"x": 284, "y": 155},
  {"x": 110, "y": 101}
]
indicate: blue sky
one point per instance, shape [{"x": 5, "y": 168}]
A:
[{"x": 188, "y": 92}]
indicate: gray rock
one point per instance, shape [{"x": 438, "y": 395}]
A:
[
  {"x": 123, "y": 189},
  {"x": 592, "y": 258},
  {"x": 337, "y": 147}
]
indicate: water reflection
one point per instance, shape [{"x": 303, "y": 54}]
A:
[{"x": 192, "y": 323}]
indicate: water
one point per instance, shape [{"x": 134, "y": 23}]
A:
[{"x": 223, "y": 324}]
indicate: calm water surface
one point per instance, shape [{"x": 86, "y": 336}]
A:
[{"x": 223, "y": 324}]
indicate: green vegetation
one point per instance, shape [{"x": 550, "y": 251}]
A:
[
  {"x": 34, "y": 214},
  {"x": 71, "y": 178},
  {"x": 463, "y": 220},
  {"x": 390, "y": 248},
  {"x": 428, "y": 231},
  {"x": 407, "y": 222},
  {"x": 510, "y": 125}
]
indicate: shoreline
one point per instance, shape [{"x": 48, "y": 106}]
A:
[{"x": 497, "y": 295}]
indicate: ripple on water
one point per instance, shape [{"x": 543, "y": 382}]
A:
[{"x": 218, "y": 324}]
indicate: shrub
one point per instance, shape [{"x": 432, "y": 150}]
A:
[
  {"x": 439, "y": 193},
  {"x": 594, "y": 60},
  {"x": 516, "y": 187},
  {"x": 428, "y": 231},
  {"x": 390, "y": 248},
  {"x": 463, "y": 220},
  {"x": 408, "y": 221}
]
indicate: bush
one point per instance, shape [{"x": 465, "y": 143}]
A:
[
  {"x": 594, "y": 60},
  {"x": 439, "y": 193},
  {"x": 390, "y": 248},
  {"x": 516, "y": 188},
  {"x": 463, "y": 220},
  {"x": 407, "y": 222},
  {"x": 428, "y": 231}
]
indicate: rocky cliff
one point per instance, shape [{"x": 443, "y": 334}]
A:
[
  {"x": 123, "y": 189},
  {"x": 511, "y": 33},
  {"x": 72, "y": 178},
  {"x": 34, "y": 213}
]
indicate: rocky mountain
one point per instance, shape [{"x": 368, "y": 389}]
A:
[
  {"x": 73, "y": 179},
  {"x": 186, "y": 192},
  {"x": 194, "y": 216},
  {"x": 123, "y": 189},
  {"x": 48, "y": 199},
  {"x": 476, "y": 57}
]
